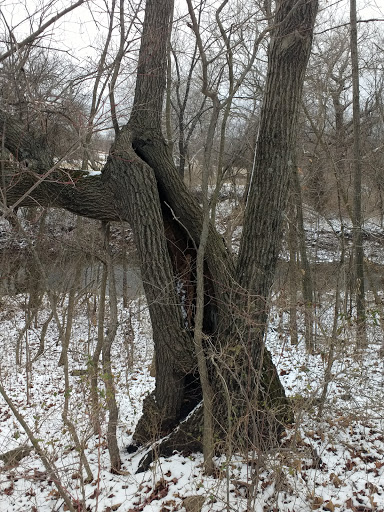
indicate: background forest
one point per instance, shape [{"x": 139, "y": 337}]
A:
[{"x": 191, "y": 247}]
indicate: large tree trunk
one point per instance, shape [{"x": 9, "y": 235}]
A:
[
  {"x": 136, "y": 193},
  {"x": 241, "y": 368},
  {"x": 145, "y": 189}
]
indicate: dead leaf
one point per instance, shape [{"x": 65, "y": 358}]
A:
[
  {"x": 9, "y": 490},
  {"x": 95, "y": 494},
  {"x": 317, "y": 502},
  {"x": 372, "y": 488},
  {"x": 349, "y": 504},
  {"x": 329, "y": 506},
  {"x": 54, "y": 493},
  {"x": 350, "y": 464},
  {"x": 335, "y": 480},
  {"x": 266, "y": 484},
  {"x": 297, "y": 464}
]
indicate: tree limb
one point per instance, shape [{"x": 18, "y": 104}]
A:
[{"x": 17, "y": 46}]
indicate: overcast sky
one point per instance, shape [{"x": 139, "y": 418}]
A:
[{"x": 85, "y": 27}]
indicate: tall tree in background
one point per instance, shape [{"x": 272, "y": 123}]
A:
[
  {"x": 357, "y": 156},
  {"x": 141, "y": 185}
]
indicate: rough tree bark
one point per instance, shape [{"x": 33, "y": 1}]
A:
[{"x": 140, "y": 184}]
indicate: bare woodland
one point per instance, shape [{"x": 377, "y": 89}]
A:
[{"x": 274, "y": 109}]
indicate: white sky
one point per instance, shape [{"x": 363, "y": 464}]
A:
[
  {"x": 83, "y": 28},
  {"x": 77, "y": 32}
]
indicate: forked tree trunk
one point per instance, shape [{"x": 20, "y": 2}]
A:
[
  {"x": 140, "y": 184},
  {"x": 238, "y": 300}
]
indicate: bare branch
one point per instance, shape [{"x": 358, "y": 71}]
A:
[
  {"x": 40, "y": 30},
  {"x": 346, "y": 24}
]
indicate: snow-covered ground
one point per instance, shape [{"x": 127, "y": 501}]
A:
[{"x": 334, "y": 463}]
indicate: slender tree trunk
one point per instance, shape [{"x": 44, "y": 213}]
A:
[
  {"x": 292, "y": 270},
  {"x": 307, "y": 284},
  {"x": 357, "y": 155},
  {"x": 108, "y": 338},
  {"x": 63, "y": 361}
]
